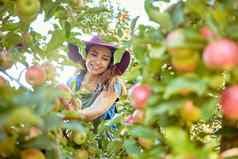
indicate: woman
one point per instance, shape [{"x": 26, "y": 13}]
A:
[{"x": 97, "y": 84}]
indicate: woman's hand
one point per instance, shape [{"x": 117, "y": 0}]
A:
[{"x": 70, "y": 104}]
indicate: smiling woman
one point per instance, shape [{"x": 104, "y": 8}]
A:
[{"x": 97, "y": 85}]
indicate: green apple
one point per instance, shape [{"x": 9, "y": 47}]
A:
[
  {"x": 81, "y": 154},
  {"x": 186, "y": 64},
  {"x": 32, "y": 154},
  {"x": 189, "y": 112},
  {"x": 27, "y": 7},
  {"x": 78, "y": 137}
]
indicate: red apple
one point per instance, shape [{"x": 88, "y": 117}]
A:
[
  {"x": 221, "y": 54},
  {"x": 206, "y": 32},
  {"x": 229, "y": 102},
  {"x": 140, "y": 95},
  {"x": 32, "y": 153},
  {"x": 35, "y": 75}
]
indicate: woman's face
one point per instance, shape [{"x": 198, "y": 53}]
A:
[{"x": 98, "y": 59}]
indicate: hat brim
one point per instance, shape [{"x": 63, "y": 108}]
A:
[{"x": 92, "y": 43}]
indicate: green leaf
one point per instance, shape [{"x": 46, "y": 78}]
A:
[
  {"x": 163, "y": 18},
  {"x": 131, "y": 147},
  {"x": 57, "y": 39},
  {"x": 41, "y": 142},
  {"x": 74, "y": 125},
  {"x": 143, "y": 131},
  {"x": 11, "y": 39},
  {"x": 184, "y": 83},
  {"x": 178, "y": 16},
  {"x": 52, "y": 121},
  {"x": 209, "y": 108},
  {"x": 178, "y": 140}
]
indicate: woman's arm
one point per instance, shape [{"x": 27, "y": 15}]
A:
[{"x": 101, "y": 104}]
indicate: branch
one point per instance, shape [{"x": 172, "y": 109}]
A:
[{"x": 12, "y": 78}]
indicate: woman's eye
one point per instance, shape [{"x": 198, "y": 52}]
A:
[
  {"x": 105, "y": 59},
  {"x": 94, "y": 54}
]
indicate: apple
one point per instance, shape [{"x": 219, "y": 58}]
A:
[
  {"x": 81, "y": 154},
  {"x": 50, "y": 70},
  {"x": 78, "y": 137},
  {"x": 6, "y": 61},
  {"x": 221, "y": 54},
  {"x": 186, "y": 64},
  {"x": 3, "y": 82},
  {"x": 189, "y": 112},
  {"x": 7, "y": 147},
  {"x": 138, "y": 116},
  {"x": 34, "y": 132},
  {"x": 145, "y": 143},
  {"x": 140, "y": 95},
  {"x": 181, "y": 53},
  {"x": 175, "y": 39},
  {"x": 206, "y": 32},
  {"x": 32, "y": 153},
  {"x": 26, "y": 39},
  {"x": 229, "y": 102},
  {"x": 27, "y": 8},
  {"x": 27, "y": 19},
  {"x": 35, "y": 75},
  {"x": 78, "y": 3},
  {"x": 185, "y": 91}
]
